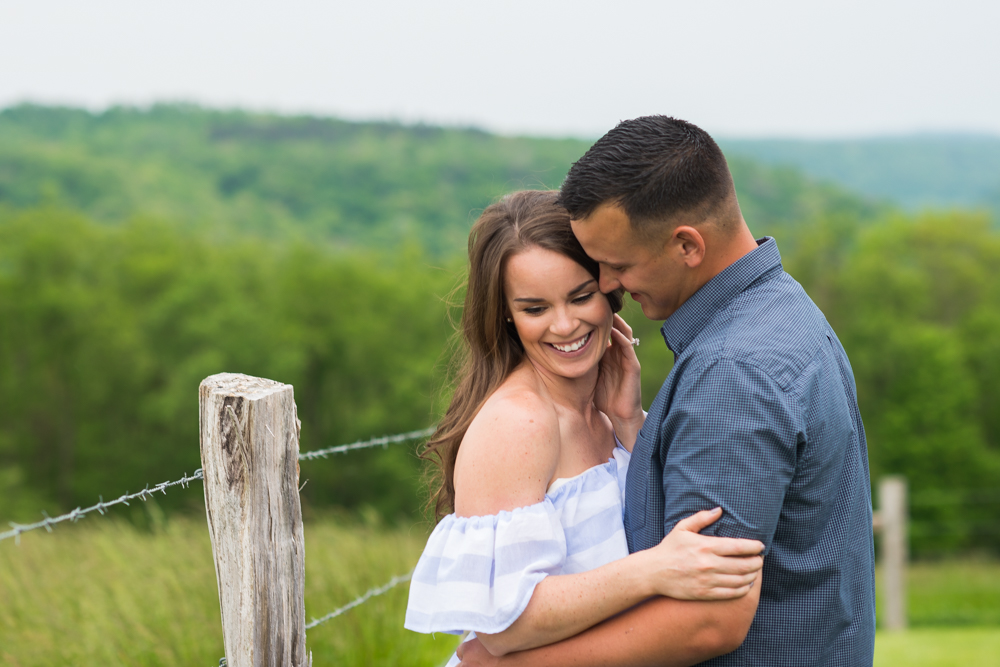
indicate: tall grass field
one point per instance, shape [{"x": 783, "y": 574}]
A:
[{"x": 105, "y": 593}]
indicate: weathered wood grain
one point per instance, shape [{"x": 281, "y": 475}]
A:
[{"x": 249, "y": 453}]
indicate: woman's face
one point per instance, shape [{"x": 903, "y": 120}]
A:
[{"x": 561, "y": 316}]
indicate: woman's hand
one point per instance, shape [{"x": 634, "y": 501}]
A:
[
  {"x": 690, "y": 566},
  {"x": 619, "y": 393}
]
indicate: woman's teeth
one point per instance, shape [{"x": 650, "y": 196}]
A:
[{"x": 573, "y": 347}]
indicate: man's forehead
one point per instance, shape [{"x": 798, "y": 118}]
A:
[{"x": 605, "y": 234}]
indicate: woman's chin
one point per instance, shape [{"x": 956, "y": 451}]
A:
[{"x": 571, "y": 369}]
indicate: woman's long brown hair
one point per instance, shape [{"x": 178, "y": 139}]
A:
[{"x": 490, "y": 348}]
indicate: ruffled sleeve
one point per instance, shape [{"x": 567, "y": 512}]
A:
[
  {"x": 622, "y": 458},
  {"x": 478, "y": 573}
]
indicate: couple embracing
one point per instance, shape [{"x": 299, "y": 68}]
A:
[{"x": 731, "y": 525}]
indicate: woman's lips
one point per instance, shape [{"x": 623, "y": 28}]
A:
[{"x": 573, "y": 348}]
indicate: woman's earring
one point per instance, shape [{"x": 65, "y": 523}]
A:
[{"x": 510, "y": 319}]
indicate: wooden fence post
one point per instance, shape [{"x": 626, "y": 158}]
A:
[
  {"x": 249, "y": 454},
  {"x": 892, "y": 524}
]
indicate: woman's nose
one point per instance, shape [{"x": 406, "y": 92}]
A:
[{"x": 564, "y": 323}]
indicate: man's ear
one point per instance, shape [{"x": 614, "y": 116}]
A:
[{"x": 690, "y": 244}]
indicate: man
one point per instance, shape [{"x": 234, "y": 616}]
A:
[{"x": 758, "y": 416}]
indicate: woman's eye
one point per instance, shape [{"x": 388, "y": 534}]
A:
[
  {"x": 535, "y": 310},
  {"x": 583, "y": 298}
]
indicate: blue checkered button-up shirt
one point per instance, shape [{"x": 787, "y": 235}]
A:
[{"x": 759, "y": 416}]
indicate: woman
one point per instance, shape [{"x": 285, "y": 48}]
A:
[{"x": 533, "y": 452}]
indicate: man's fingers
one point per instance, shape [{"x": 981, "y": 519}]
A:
[{"x": 699, "y": 521}]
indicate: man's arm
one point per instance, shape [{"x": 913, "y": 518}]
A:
[{"x": 662, "y": 632}]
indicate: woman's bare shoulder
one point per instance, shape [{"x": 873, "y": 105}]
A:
[{"x": 509, "y": 453}]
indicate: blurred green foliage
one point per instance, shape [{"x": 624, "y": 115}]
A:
[
  {"x": 916, "y": 303},
  {"x": 356, "y": 184},
  {"x": 105, "y": 334},
  {"x": 141, "y": 251},
  {"x": 913, "y": 171}
]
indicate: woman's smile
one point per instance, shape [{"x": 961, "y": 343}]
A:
[{"x": 573, "y": 348}]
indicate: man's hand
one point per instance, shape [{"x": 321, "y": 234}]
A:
[{"x": 473, "y": 654}]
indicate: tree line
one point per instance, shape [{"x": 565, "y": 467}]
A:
[{"x": 106, "y": 331}]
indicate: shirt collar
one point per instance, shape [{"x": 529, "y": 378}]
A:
[{"x": 688, "y": 321}]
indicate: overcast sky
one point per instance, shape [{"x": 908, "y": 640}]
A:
[{"x": 572, "y": 67}]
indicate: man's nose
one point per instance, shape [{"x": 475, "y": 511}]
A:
[{"x": 609, "y": 280}]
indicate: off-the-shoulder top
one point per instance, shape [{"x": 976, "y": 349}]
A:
[{"x": 478, "y": 573}]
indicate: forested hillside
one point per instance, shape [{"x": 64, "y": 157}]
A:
[
  {"x": 354, "y": 184},
  {"x": 141, "y": 251},
  {"x": 918, "y": 171}
]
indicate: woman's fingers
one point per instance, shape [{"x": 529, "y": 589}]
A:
[
  {"x": 729, "y": 581},
  {"x": 622, "y": 339},
  {"x": 738, "y": 567},
  {"x": 621, "y": 325},
  {"x": 699, "y": 521},
  {"x": 735, "y": 546}
]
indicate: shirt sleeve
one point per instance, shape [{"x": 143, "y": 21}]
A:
[
  {"x": 479, "y": 573},
  {"x": 734, "y": 436}
]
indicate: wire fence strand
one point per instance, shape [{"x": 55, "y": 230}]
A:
[
  {"x": 373, "y": 592},
  {"x": 383, "y": 441},
  {"x": 77, "y": 514},
  {"x": 17, "y": 529}
]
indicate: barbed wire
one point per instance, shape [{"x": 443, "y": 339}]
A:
[
  {"x": 77, "y": 514},
  {"x": 382, "y": 441},
  {"x": 372, "y": 592}
]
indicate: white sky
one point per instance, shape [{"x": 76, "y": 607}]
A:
[{"x": 572, "y": 67}]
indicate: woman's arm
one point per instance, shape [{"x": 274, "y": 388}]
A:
[
  {"x": 685, "y": 565},
  {"x": 658, "y": 633},
  {"x": 506, "y": 461}
]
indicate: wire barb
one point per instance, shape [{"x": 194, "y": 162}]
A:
[
  {"x": 101, "y": 507},
  {"x": 373, "y": 592},
  {"x": 383, "y": 441}
]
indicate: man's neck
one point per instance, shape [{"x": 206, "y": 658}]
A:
[
  {"x": 724, "y": 254},
  {"x": 720, "y": 255}
]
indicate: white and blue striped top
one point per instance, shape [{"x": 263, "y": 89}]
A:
[{"x": 478, "y": 573}]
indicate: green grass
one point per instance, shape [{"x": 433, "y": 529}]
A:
[
  {"x": 951, "y": 593},
  {"x": 104, "y": 593},
  {"x": 939, "y": 647}
]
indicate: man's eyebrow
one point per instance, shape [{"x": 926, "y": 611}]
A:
[{"x": 572, "y": 291}]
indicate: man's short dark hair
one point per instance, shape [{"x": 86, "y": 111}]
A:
[{"x": 654, "y": 167}]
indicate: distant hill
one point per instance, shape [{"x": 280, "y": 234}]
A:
[
  {"x": 353, "y": 184},
  {"x": 913, "y": 171}
]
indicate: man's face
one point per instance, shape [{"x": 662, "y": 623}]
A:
[{"x": 651, "y": 274}]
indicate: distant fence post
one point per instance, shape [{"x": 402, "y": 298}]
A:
[
  {"x": 891, "y": 522},
  {"x": 249, "y": 454}
]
